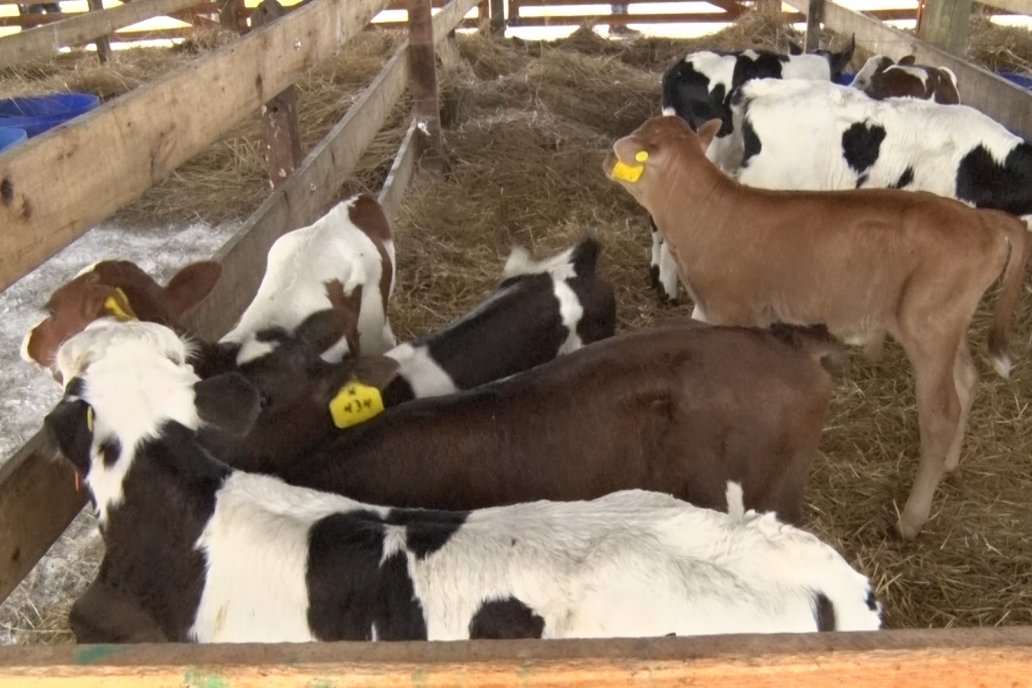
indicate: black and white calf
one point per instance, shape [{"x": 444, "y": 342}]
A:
[
  {"x": 812, "y": 135},
  {"x": 698, "y": 89},
  {"x": 541, "y": 309},
  {"x": 213, "y": 554}
]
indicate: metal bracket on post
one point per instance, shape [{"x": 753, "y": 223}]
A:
[
  {"x": 423, "y": 82},
  {"x": 281, "y": 140},
  {"x": 814, "y": 17}
]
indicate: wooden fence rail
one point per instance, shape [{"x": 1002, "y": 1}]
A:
[{"x": 969, "y": 658}]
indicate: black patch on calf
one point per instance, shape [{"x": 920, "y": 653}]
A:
[
  {"x": 111, "y": 450},
  {"x": 905, "y": 179},
  {"x": 584, "y": 257},
  {"x": 688, "y": 92},
  {"x": 348, "y": 589},
  {"x": 427, "y": 530},
  {"x": 228, "y": 401},
  {"x": 871, "y": 601},
  {"x": 398, "y": 391},
  {"x": 988, "y": 184},
  {"x": 598, "y": 320},
  {"x": 766, "y": 65},
  {"x": 505, "y": 619},
  {"x": 823, "y": 612},
  {"x": 751, "y": 141},
  {"x": 860, "y": 145},
  {"x": 76, "y": 387},
  {"x": 67, "y": 428}
]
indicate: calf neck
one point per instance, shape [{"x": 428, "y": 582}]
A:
[{"x": 861, "y": 262}]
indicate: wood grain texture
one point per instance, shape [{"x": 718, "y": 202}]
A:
[
  {"x": 81, "y": 28},
  {"x": 401, "y": 172},
  {"x": 56, "y": 186},
  {"x": 281, "y": 136},
  {"x": 1005, "y": 102},
  {"x": 1015, "y": 6},
  {"x": 945, "y": 23},
  {"x": 968, "y": 658}
]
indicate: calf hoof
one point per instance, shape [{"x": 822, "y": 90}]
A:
[{"x": 908, "y": 531}]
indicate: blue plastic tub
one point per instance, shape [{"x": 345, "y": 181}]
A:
[
  {"x": 10, "y": 136},
  {"x": 36, "y": 114},
  {"x": 1023, "y": 80},
  {"x": 846, "y": 78}
]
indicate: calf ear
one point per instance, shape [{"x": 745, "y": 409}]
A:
[
  {"x": 707, "y": 131},
  {"x": 794, "y": 48},
  {"x": 189, "y": 286},
  {"x": 323, "y": 329},
  {"x": 907, "y": 60},
  {"x": 376, "y": 371},
  {"x": 228, "y": 401},
  {"x": 70, "y": 426},
  {"x": 841, "y": 59},
  {"x": 103, "y": 300}
]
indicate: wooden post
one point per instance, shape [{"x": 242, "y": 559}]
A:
[
  {"x": 103, "y": 42},
  {"x": 423, "y": 81},
  {"x": 497, "y": 16},
  {"x": 814, "y": 17},
  {"x": 281, "y": 140},
  {"x": 229, "y": 14},
  {"x": 514, "y": 12},
  {"x": 944, "y": 24}
]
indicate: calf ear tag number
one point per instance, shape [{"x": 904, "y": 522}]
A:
[
  {"x": 630, "y": 173},
  {"x": 355, "y": 403}
]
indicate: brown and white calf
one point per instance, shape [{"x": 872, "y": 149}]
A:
[
  {"x": 117, "y": 289},
  {"x": 207, "y": 553},
  {"x": 882, "y": 78},
  {"x": 864, "y": 263},
  {"x": 352, "y": 244}
]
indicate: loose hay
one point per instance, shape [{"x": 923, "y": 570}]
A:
[{"x": 526, "y": 127}]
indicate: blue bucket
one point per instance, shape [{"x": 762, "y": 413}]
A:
[
  {"x": 10, "y": 136},
  {"x": 845, "y": 79},
  {"x": 1023, "y": 80},
  {"x": 36, "y": 114}
]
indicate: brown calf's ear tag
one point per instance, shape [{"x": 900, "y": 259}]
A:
[
  {"x": 118, "y": 305},
  {"x": 630, "y": 173},
  {"x": 355, "y": 403}
]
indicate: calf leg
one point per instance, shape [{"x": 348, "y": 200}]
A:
[
  {"x": 668, "y": 277},
  {"x": 106, "y": 615},
  {"x": 966, "y": 375},
  {"x": 938, "y": 408}
]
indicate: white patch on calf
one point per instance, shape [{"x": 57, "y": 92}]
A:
[
  {"x": 424, "y": 375},
  {"x": 735, "y": 499},
  {"x": 916, "y": 72},
  {"x": 810, "y": 67},
  {"x": 668, "y": 112},
  {"x": 27, "y": 338},
  {"x": 520, "y": 263},
  {"x": 253, "y": 349},
  {"x": 570, "y": 312},
  {"x": 862, "y": 79}
]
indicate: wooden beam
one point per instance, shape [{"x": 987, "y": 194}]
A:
[
  {"x": 1003, "y": 101},
  {"x": 281, "y": 138},
  {"x": 498, "y": 16},
  {"x": 944, "y": 24},
  {"x": 813, "y": 25},
  {"x": 1015, "y": 6},
  {"x": 423, "y": 82},
  {"x": 56, "y": 186},
  {"x": 401, "y": 172},
  {"x": 956, "y": 658},
  {"x": 81, "y": 28},
  {"x": 103, "y": 42}
]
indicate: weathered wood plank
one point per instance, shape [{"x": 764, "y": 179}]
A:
[
  {"x": 944, "y": 24},
  {"x": 813, "y": 25},
  {"x": 56, "y": 186},
  {"x": 497, "y": 16},
  {"x": 964, "y": 658},
  {"x": 281, "y": 136},
  {"x": 401, "y": 171},
  {"x": 423, "y": 82},
  {"x": 1015, "y": 6},
  {"x": 996, "y": 97},
  {"x": 81, "y": 28},
  {"x": 103, "y": 43}
]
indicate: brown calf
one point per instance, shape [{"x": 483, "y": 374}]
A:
[
  {"x": 119, "y": 289},
  {"x": 863, "y": 262}
]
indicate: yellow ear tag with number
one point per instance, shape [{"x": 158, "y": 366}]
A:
[
  {"x": 89, "y": 418},
  {"x": 355, "y": 403},
  {"x": 630, "y": 173},
  {"x": 112, "y": 306}
]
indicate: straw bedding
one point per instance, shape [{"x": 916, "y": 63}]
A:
[{"x": 526, "y": 128}]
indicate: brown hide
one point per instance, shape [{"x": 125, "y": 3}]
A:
[
  {"x": 890, "y": 81},
  {"x": 863, "y": 262}
]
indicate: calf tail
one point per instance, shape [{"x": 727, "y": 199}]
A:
[
  {"x": 816, "y": 341},
  {"x": 584, "y": 258},
  {"x": 1013, "y": 279}
]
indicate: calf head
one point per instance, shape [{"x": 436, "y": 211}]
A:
[
  {"x": 128, "y": 383},
  {"x": 838, "y": 61},
  {"x": 658, "y": 147},
  {"x": 115, "y": 289}
]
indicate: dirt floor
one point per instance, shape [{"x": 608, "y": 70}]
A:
[{"x": 526, "y": 128}]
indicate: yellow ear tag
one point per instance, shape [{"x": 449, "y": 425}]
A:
[
  {"x": 627, "y": 173},
  {"x": 641, "y": 156},
  {"x": 89, "y": 418},
  {"x": 113, "y": 307},
  {"x": 355, "y": 403}
]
